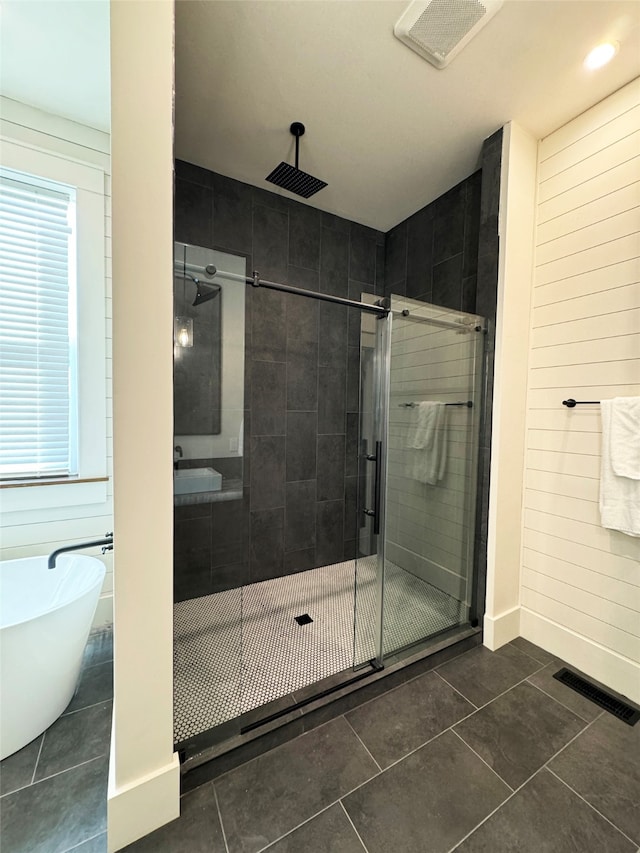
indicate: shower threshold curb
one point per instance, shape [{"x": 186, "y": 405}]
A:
[{"x": 212, "y": 761}]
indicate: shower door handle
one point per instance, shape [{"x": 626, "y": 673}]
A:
[{"x": 375, "y": 512}]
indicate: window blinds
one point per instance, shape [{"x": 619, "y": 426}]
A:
[{"x": 37, "y": 334}]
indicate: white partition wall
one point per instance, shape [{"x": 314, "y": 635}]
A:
[
  {"x": 504, "y": 531},
  {"x": 144, "y": 771},
  {"x": 580, "y": 586}
]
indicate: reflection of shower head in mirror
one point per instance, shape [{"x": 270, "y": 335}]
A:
[{"x": 204, "y": 292}]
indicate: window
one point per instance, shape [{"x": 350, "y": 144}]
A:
[
  {"x": 38, "y": 369},
  {"x": 54, "y": 379}
]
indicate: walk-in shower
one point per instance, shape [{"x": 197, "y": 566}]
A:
[{"x": 337, "y": 527}]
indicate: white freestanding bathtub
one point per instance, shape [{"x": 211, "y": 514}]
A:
[{"x": 45, "y": 618}]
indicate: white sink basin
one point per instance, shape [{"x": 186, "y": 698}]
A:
[{"x": 186, "y": 481}]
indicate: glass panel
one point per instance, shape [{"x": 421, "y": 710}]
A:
[
  {"x": 211, "y": 513},
  {"x": 369, "y": 561},
  {"x": 435, "y": 372}
]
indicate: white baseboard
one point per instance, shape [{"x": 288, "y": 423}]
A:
[
  {"x": 136, "y": 809},
  {"x": 619, "y": 673},
  {"x": 501, "y": 629}
]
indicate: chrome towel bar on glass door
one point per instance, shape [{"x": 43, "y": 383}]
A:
[{"x": 413, "y": 404}]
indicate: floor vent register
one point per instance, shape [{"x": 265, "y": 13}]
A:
[{"x": 614, "y": 706}]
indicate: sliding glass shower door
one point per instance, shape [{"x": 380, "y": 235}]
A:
[
  {"x": 267, "y": 585},
  {"x": 369, "y": 558},
  {"x": 421, "y": 387}
]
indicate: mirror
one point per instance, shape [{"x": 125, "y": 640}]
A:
[{"x": 208, "y": 353}]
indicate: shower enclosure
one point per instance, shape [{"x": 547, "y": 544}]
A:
[
  {"x": 421, "y": 387},
  {"x": 324, "y": 529}
]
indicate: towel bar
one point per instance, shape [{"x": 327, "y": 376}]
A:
[
  {"x": 570, "y": 403},
  {"x": 413, "y": 404}
]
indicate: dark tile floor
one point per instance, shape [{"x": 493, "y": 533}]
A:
[
  {"x": 487, "y": 753},
  {"x": 54, "y": 790}
]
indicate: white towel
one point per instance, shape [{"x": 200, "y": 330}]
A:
[
  {"x": 422, "y": 428},
  {"x": 625, "y": 437},
  {"x": 619, "y": 494},
  {"x": 427, "y": 443}
]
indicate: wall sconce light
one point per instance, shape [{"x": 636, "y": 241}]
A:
[{"x": 183, "y": 332}]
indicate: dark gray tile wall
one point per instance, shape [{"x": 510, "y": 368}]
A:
[
  {"x": 302, "y": 386},
  {"x": 486, "y": 301},
  {"x": 302, "y": 363},
  {"x": 447, "y": 254},
  {"x": 433, "y": 255}
]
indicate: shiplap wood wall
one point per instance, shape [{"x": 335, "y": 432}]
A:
[
  {"x": 41, "y": 531},
  {"x": 580, "y": 583}
]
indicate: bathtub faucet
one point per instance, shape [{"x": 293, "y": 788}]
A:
[{"x": 107, "y": 545}]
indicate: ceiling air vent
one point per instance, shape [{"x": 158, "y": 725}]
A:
[{"x": 439, "y": 29}]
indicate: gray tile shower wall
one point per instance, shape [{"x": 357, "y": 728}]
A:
[
  {"x": 302, "y": 362},
  {"x": 447, "y": 254},
  {"x": 486, "y": 301},
  {"x": 433, "y": 255},
  {"x": 301, "y": 386}
]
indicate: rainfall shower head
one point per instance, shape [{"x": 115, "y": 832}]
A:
[
  {"x": 204, "y": 292},
  {"x": 294, "y": 179}
]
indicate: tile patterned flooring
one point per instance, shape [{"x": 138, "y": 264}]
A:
[
  {"x": 239, "y": 649},
  {"x": 487, "y": 753},
  {"x": 54, "y": 790}
]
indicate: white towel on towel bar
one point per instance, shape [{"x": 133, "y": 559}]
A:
[
  {"x": 427, "y": 441},
  {"x": 625, "y": 437},
  {"x": 619, "y": 493}
]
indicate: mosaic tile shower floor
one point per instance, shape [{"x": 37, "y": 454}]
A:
[{"x": 239, "y": 649}]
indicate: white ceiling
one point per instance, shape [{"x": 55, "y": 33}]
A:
[
  {"x": 54, "y": 55},
  {"x": 385, "y": 129}
]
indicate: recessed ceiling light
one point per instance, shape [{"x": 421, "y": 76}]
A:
[{"x": 600, "y": 55}]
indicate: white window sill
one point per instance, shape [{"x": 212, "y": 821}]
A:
[{"x": 30, "y": 495}]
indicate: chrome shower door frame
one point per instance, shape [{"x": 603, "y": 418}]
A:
[
  {"x": 380, "y": 432},
  {"x": 382, "y": 381},
  {"x": 369, "y": 558}
]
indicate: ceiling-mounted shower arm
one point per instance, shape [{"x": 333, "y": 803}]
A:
[
  {"x": 292, "y": 178},
  {"x": 297, "y": 129}
]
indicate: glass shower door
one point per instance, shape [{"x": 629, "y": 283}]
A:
[
  {"x": 414, "y": 577},
  {"x": 369, "y": 559},
  {"x": 435, "y": 393}
]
